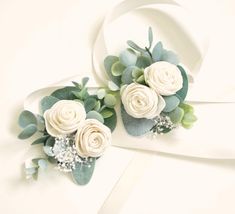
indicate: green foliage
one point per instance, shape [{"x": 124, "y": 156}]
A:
[
  {"x": 157, "y": 52},
  {"x": 189, "y": 118},
  {"x": 97, "y": 105},
  {"x": 31, "y": 168},
  {"x": 106, "y": 113},
  {"x": 110, "y": 100},
  {"x": 112, "y": 86},
  {"x": 66, "y": 93},
  {"x": 117, "y": 68},
  {"x": 85, "y": 81},
  {"x": 136, "y": 126},
  {"x": 182, "y": 93},
  {"x": 81, "y": 95},
  {"x": 150, "y": 37},
  {"x": 140, "y": 80},
  {"x": 143, "y": 62},
  {"x": 135, "y": 46},
  {"x": 101, "y": 93},
  {"x": 111, "y": 122},
  {"x": 128, "y": 57},
  {"x": 26, "y": 118},
  {"x": 41, "y": 140},
  {"x": 136, "y": 73},
  {"x": 95, "y": 115},
  {"x": 47, "y": 148},
  {"x": 171, "y": 103},
  {"x": 108, "y": 63},
  {"x": 28, "y": 131},
  {"x": 127, "y": 74},
  {"x": 89, "y": 103},
  {"x": 176, "y": 115},
  {"x": 84, "y": 171},
  {"x": 47, "y": 102}
]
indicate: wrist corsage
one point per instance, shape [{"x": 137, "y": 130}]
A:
[
  {"x": 153, "y": 87},
  {"x": 74, "y": 130}
]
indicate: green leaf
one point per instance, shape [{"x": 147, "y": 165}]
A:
[
  {"x": 135, "y": 46},
  {"x": 135, "y": 126},
  {"x": 97, "y": 105},
  {"x": 127, "y": 74},
  {"x": 157, "y": 52},
  {"x": 42, "y": 163},
  {"x": 28, "y": 131},
  {"x": 95, "y": 115},
  {"x": 77, "y": 85},
  {"x": 187, "y": 108},
  {"x": 101, "y": 93},
  {"x": 40, "y": 140},
  {"x": 110, "y": 100},
  {"x": 111, "y": 122},
  {"x": 137, "y": 73},
  {"x": 112, "y": 86},
  {"x": 141, "y": 79},
  {"x": 26, "y": 118},
  {"x": 169, "y": 56},
  {"x": 83, "y": 172},
  {"x": 65, "y": 93},
  {"x": 143, "y": 62},
  {"x": 89, "y": 103},
  {"x": 117, "y": 69},
  {"x": 128, "y": 57},
  {"x": 171, "y": 103},
  {"x": 176, "y": 115},
  {"x": 84, "y": 81},
  {"x": 108, "y": 63},
  {"x": 47, "y": 102},
  {"x": 189, "y": 117},
  {"x": 150, "y": 37},
  {"x": 81, "y": 95},
  {"x": 182, "y": 93},
  {"x": 106, "y": 113}
]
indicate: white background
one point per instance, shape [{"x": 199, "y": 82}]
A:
[{"x": 44, "y": 41}]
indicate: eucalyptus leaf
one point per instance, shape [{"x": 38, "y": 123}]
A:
[
  {"x": 97, "y": 105},
  {"x": 26, "y": 118},
  {"x": 83, "y": 172},
  {"x": 150, "y": 37},
  {"x": 42, "y": 163},
  {"x": 182, "y": 93},
  {"x": 84, "y": 81},
  {"x": 81, "y": 95},
  {"x": 171, "y": 103},
  {"x": 108, "y": 63},
  {"x": 128, "y": 57},
  {"x": 136, "y": 73},
  {"x": 169, "y": 56},
  {"x": 157, "y": 52},
  {"x": 111, "y": 122},
  {"x": 135, "y": 46},
  {"x": 40, "y": 140},
  {"x": 77, "y": 85},
  {"x": 89, "y": 103},
  {"x": 50, "y": 141},
  {"x": 106, "y": 113},
  {"x": 112, "y": 86},
  {"x": 186, "y": 107},
  {"x": 110, "y": 100},
  {"x": 48, "y": 151},
  {"x": 143, "y": 62},
  {"x": 127, "y": 77},
  {"x": 141, "y": 79},
  {"x": 101, "y": 93},
  {"x": 65, "y": 93},
  {"x": 117, "y": 68},
  {"x": 47, "y": 102},
  {"x": 176, "y": 115},
  {"x": 95, "y": 115},
  {"x": 189, "y": 118},
  {"x": 135, "y": 126},
  {"x": 28, "y": 131}
]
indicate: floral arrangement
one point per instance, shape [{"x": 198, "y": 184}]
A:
[
  {"x": 153, "y": 86},
  {"x": 74, "y": 130},
  {"x": 75, "y": 124}
]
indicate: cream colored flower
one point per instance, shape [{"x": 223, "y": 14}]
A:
[
  {"x": 141, "y": 101},
  {"x": 64, "y": 117},
  {"x": 164, "y": 77},
  {"x": 92, "y": 138}
]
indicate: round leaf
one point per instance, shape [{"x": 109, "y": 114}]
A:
[
  {"x": 127, "y": 77},
  {"x": 110, "y": 100},
  {"x": 111, "y": 122},
  {"x": 26, "y": 118},
  {"x": 128, "y": 57},
  {"x": 106, "y": 113},
  {"x": 28, "y": 131},
  {"x": 171, "y": 103},
  {"x": 143, "y": 62},
  {"x": 176, "y": 115},
  {"x": 95, "y": 115},
  {"x": 101, "y": 93},
  {"x": 117, "y": 69},
  {"x": 47, "y": 102},
  {"x": 89, "y": 103}
]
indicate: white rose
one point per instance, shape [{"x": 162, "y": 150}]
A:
[
  {"x": 64, "y": 117},
  {"x": 92, "y": 138},
  {"x": 141, "y": 101},
  {"x": 164, "y": 77}
]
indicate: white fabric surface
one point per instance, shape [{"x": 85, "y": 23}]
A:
[{"x": 43, "y": 42}]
